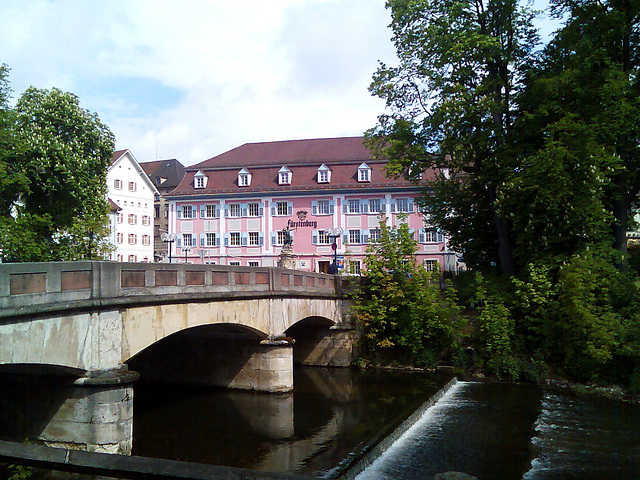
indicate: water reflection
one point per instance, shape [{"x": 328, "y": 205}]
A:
[{"x": 330, "y": 413}]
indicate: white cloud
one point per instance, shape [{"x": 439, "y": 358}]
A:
[{"x": 192, "y": 79}]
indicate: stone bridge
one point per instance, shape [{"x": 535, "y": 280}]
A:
[{"x": 235, "y": 327}]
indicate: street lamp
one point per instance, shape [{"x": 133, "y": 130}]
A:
[
  {"x": 186, "y": 249},
  {"x": 168, "y": 238},
  {"x": 333, "y": 234}
]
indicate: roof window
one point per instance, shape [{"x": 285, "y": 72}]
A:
[
  {"x": 284, "y": 176},
  {"x": 364, "y": 173},
  {"x": 244, "y": 178},
  {"x": 200, "y": 180},
  {"x": 324, "y": 174}
]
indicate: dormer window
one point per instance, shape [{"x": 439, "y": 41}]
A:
[
  {"x": 244, "y": 178},
  {"x": 199, "y": 180},
  {"x": 284, "y": 176},
  {"x": 364, "y": 173},
  {"x": 324, "y": 174}
]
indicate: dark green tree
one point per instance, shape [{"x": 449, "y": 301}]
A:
[{"x": 452, "y": 105}]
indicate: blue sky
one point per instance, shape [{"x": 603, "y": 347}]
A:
[{"x": 195, "y": 78}]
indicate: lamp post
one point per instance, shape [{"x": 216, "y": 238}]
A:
[
  {"x": 334, "y": 234},
  {"x": 168, "y": 238},
  {"x": 186, "y": 249}
]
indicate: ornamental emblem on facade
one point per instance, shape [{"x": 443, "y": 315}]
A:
[{"x": 302, "y": 215}]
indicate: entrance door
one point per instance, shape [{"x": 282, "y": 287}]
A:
[{"x": 323, "y": 266}]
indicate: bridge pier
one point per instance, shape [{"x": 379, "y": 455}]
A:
[
  {"x": 96, "y": 416},
  {"x": 326, "y": 347}
]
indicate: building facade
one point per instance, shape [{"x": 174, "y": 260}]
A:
[
  {"x": 132, "y": 192},
  {"x": 165, "y": 176},
  {"x": 326, "y": 195}
]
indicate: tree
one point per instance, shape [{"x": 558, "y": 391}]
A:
[
  {"x": 12, "y": 180},
  {"x": 65, "y": 161},
  {"x": 403, "y": 314},
  {"x": 452, "y": 106}
]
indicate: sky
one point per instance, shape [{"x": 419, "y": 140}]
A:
[{"x": 195, "y": 78}]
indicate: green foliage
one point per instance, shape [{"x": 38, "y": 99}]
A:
[
  {"x": 399, "y": 305},
  {"x": 55, "y": 156},
  {"x": 452, "y": 100},
  {"x": 12, "y": 179},
  {"x": 496, "y": 333}
]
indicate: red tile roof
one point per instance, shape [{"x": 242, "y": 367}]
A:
[
  {"x": 116, "y": 155},
  {"x": 343, "y": 156},
  {"x": 289, "y": 152}
]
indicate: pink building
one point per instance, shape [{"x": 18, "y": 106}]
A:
[{"x": 233, "y": 209}]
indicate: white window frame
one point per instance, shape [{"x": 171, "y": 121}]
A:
[
  {"x": 235, "y": 239},
  {"x": 284, "y": 176},
  {"x": 353, "y": 206},
  {"x": 364, "y": 173},
  {"x": 254, "y": 239},
  {"x": 355, "y": 237},
  {"x": 117, "y": 184},
  {"x": 253, "y": 209},
  {"x": 324, "y": 174},
  {"x": 133, "y": 187},
  {"x": 211, "y": 239},
  {"x": 244, "y": 178},
  {"x": 200, "y": 180},
  {"x": 191, "y": 240},
  {"x": 235, "y": 210}
]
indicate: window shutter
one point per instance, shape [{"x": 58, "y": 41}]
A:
[
  {"x": 274, "y": 239},
  {"x": 202, "y": 240},
  {"x": 314, "y": 237},
  {"x": 244, "y": 209},
  {"x": 217, "y": 212},
  {"x": 244, "y": 239},
  {"x": 439, "y": 237},
  {"x": 203, "y": 211},
  {"x": 364, "y": 206},
  {"x": 365, "y": 236},
  {"x": 412, "y": 232},
  {"x": 194, "y": 211},
  {"x": 226, "y": 239},
  {"x": 273, "y": 209},
  {"x": 332, "y": 205},
  {"x": 289, "y": 208},
  {"x": 261, "y": 239},
  {"x": 217, "y": 239},
  {"x": 226, "y": 212},
  {"x": 179, "y": 241},
  {"x": 179, "y": 211},
  {"x": 421, "y": 236},
  {"x": 345, "y": 238},
  {"x": 410, "y": 205},
  {"x": 261, "y": 212},
  {"x": 314, "y": 208},
  {"x": 383, "y": 206}
]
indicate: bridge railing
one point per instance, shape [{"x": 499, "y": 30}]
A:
[{"x": 26, "y": 288}]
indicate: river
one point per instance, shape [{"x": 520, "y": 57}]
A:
[{"x": 488, "y": 429}]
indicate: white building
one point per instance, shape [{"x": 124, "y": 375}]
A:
[{"x": 131, "y": 190}]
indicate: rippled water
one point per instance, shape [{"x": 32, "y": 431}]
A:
[
  {"x": 585, "y": 438},
  {"x": 468, "y": 430}
]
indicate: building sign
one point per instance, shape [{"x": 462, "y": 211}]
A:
[{"x": 302, "y": 221}]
